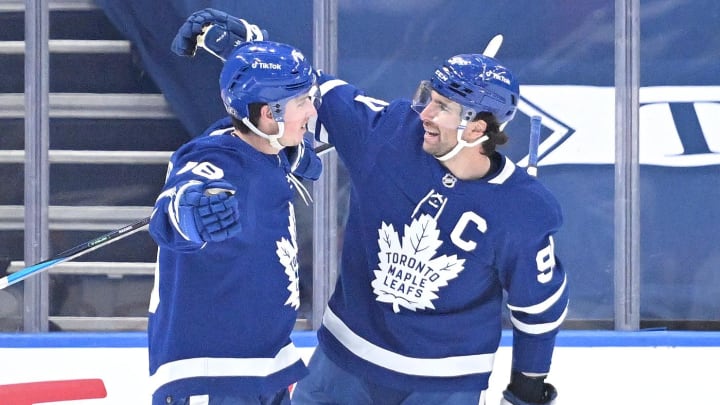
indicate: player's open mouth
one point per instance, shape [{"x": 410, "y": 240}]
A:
[{"x": 431, "y": 134}]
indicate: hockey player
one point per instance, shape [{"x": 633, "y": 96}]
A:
[
  {"x": 226, "y": 294},
  {"x": 440, "y": 224}
]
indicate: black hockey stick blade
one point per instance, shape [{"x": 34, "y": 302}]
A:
[
  {"x": 74, "y": 252},
  {"x": 323, "y": 149}
]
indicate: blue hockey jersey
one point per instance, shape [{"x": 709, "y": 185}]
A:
[
  {"x": 221, "y": 313},
  {"x": 428, "y": 257}
]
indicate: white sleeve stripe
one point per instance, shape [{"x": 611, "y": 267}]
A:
[
  {"x": 174, "y": 207},
  {"x": 322, "y": 136},
  {"x": 331, "y": 84},
  {"x": 540, "y": 328},
  {"x": 543, "y": 306},
  {"x": 169, "y": 193}
]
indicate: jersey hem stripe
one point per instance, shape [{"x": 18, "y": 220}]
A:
[
  {"x": 454, "y": 366},
  {"x": 223, "y": 367}
]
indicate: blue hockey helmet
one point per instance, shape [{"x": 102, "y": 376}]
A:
[
  {"x": 264, "y": 72},
  {"x": 478, "y": 83}
]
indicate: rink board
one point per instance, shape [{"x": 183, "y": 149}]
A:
[{"x": 589, "y": 367}]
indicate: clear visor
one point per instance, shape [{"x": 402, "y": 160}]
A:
[
  {"x": 279, "y": 108},
  {"x": 442, "y": 111},
  {"x": 315, "y": 96},
  {"x": 422, "y": 97}
]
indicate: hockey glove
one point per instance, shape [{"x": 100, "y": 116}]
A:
[
  {"x": 524, "y": 390},
  {"x": 207, "y": 212},
  {"x": 223, "y": 33},
  {"x": 304, "y": 162}
]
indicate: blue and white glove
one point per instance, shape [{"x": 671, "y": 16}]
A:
[
  {"x": 303, "y": 161},
  {"x": 524, "y": 390},
  {"x": 222, "y": 33},
  {"x": 207, "y": 212}
]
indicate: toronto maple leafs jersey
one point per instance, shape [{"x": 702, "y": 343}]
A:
[
  {"x": 221, "y": 313},
  {"x": 427, "y": 257}
]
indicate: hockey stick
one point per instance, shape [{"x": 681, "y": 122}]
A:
[
  {"x": 87, "y": 247},
  {"x": 535, "y": 128},
  {"x": 74, "y": 252},
  {"x": 492, "y": 47},
  {"x": 491, "y": 50},
  {"x": 323, "y": 149}
]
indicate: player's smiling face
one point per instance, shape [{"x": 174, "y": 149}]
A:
[
  {"x": 297, "y": 113},
  {"x": 440, "y": 119}
]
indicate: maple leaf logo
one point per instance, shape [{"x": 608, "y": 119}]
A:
[
  {"x": 287, "y": 251},
  {"x": 409, "y": 274}
]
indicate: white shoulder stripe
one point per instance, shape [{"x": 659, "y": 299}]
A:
[
  {"x": 331, "y": 84},
  {"x": 506, "y": 172},
  {"x": 538, "y": 329},
  {"x": 543, "y": 306},
  {"x": 221, "y": 131}
]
